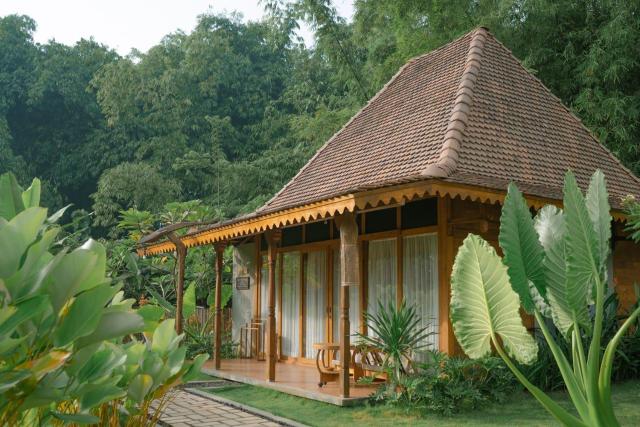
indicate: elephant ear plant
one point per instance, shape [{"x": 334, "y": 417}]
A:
[
  {"x": 72, "y": 350},
  {"x": 554, "y": 266}
]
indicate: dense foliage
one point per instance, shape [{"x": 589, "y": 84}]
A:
[
  {"x": 448, "y": 385},
  {"x": 72, "y": 348},
  {"x": 228, "y": 113},
  {"x": 555, "y": 266}
]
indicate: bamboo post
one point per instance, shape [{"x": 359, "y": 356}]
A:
[
  {"x": 273, "y": 239},
  {"x": 217, "y": 332},
  {"x": 349, "y": 276}
]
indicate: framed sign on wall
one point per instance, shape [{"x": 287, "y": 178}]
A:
[{"x": 242, "y": 283}]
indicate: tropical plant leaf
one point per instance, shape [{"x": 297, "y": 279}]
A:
[
  {"x": 140, "y": 386},
  {"x": 552, "y": 231},
  {"x": 484, "y": 306},
  {"x": 84, "y": 314},
  {"x": 113, "y": 325},
  {"x": 11, "y": 196},
  {"x": 163, "y": 336},
  {"x": 583, "y": 255},
  {"x": 31, "y": 196},
  {"x": 523, "y": 253},
  {"x": 22, "y": 312},
  {"x": 189, "y": 301},
  {"x": 597, "y": 202}
]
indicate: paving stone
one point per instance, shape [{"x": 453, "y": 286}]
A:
[{"x": 190, "y": 410}]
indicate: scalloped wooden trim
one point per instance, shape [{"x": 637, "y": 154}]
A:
[{"x": 357, "y": 201}]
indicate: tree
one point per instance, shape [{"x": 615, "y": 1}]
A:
[{"x": 131, "y": 185}]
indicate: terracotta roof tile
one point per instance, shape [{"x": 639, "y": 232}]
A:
[{"x": 467, "y": 113}]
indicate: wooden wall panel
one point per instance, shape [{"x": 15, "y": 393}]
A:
[{"x": 626, "y": 271}]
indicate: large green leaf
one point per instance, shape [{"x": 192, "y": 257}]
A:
[
  {"x": 22, "y": 312},
  {"x": 151, "y": 314},
  {"x": 68, "y": 277},
  {"x": 25, "y": 281},
  {"x": 484, "y": 306},
  {"x": 84, "y": 314},
  {"x": 98, "y": 394},
  {"x": 597, "y": 201},
  {"x": 10, "y": 196},
  {"x": 113, "y": 325},
  {"x": 194, "y": 369},
  {"x": 31, "y": 196},
  {"x": 139, "y": 387},
  {"x": 16, "y": 236},
  {"x": 163, "y": 336},
  {"x": 523, "y": 253},
  {"x": 552, "y": 231},
  {"x": 583, "y": 255},
  {"x": 189, "y": 302}
]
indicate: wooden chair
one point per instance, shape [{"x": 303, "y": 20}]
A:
[{"x": 328, "y": 363}]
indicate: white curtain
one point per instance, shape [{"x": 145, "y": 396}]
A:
[
  {"x": 382, "y": 276},
  {"x": 354, "y": 302},
  {"x": 420, "y": 282},
  {"x": 315, "y": 300},
  {"x": 291, "y": 304}
]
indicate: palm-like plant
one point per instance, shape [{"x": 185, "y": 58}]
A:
[
  {"x": 397, "y": 333},
  {"x": 555, "y": 266}
]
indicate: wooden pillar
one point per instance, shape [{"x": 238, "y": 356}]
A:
[
  {"x": 445, "y": 264},
  {"x": 273, "y": 239},
  {"x": 181, "y": 253},
  {"x": 217, "y": 331},
  {"x": 349, "y": 276}
]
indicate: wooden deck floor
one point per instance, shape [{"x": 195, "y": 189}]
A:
[{"x": 296, "y": 379}]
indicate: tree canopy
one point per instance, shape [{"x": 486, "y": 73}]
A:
[{"x": 229, "y": 112}]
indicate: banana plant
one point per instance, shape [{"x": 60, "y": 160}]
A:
[{"x": 554, "y": 267}]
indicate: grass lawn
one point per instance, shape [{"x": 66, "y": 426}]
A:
[{"x": 522, "y": 410}]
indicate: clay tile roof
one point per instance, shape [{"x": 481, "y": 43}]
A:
[{"x": 466, "y": 113}]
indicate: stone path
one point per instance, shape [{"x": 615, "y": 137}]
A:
[{"x": 187, "y": 409}]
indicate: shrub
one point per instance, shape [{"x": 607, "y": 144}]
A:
[
  {"x": 72, "y": 350},
  {"x": 448, "y": 385}
]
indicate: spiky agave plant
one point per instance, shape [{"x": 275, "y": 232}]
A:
[
  {"x": 397, "y": 333},
  {"x": 555, "y": 266}
]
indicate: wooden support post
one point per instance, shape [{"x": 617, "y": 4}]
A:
[
  {"x": 273, "y": 239},
  {"x": 349, "y": 276},
  {"x": 217, "y": 331},
  {"x": 181, "y": 253}
]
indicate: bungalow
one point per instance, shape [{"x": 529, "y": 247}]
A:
[{"x": 377, "y": 214}]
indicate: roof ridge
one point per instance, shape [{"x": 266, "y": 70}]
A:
[
  {"x": 568, "y": 110},
  {"x": 448, "y": 159}
]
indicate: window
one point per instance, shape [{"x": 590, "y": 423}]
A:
[{"x": 420, "y": 213}]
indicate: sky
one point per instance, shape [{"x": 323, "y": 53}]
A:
[{"x": 127, "y": 24}]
